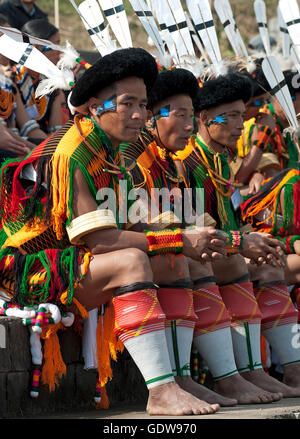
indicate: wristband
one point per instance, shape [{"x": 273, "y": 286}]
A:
[
  {"x": 235, "y": 242},
  {"x": 289, "y": 242},
  {"x": 164, "y": 241}
]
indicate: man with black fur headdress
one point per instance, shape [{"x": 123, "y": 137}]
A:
[
  {"x": 60, "y": 246},
  {"x": 263, "y": 146},
  {"x": 170, "y": 102},
  {"x": 220, "y": 107}
]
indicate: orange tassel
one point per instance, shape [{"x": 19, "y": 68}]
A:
[
  {"x": 104, "y": 403},
  {"x": 107, "y": 344},
  {"x": 54, "y": 367},
  {"x": 264, "y": 355},
  {"x": 270, "y": 200},
  {"x": 83, "y": 312}
]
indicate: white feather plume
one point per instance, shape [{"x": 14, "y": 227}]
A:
[
  {"x": 63, "y": 81},
  {"x": 145, "y": 16},
  {"x": 275, "y": 77},
  {"x": 203, "y": 19},
  {"x": 116, "y": 16},
  {"x": 261, "y": 18}
]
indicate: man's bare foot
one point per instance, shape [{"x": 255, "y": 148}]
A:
[
  {"x": 170, "y": 399},
  {"x": 291, "y": 375},
  {"x": 244, "y": 391},
  {"x": 202, "y": 392},
  {"x": 266, "y": 382}
]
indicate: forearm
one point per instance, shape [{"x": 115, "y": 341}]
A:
[
  {"x": 109, "y": 240},
  {"x": 249, "y": 165}
]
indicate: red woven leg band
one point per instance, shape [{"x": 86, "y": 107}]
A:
[
  {"x": 210, "y": 310},
  {"x": 240, "y": 301},
  {"x": 177, "y": 303},
  {"x": 137, "y": 313},
  {"x": 276, "y": 306}
]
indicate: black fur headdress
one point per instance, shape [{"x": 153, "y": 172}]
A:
[{"x": 114, "y": 67}]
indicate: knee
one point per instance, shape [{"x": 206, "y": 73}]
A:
[
  {"x": 169, "y": 268},
  {"x": 266, "y": 274},
  {"x": 136, "y": 262}
]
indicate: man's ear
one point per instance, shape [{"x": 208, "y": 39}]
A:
[
  {"x": 203, "y": 117},
  {"x": 92, "y": 105},
  {"x": 149, "y": 122}
]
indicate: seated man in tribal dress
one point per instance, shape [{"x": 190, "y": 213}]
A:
[
  {"x": 170, "y": 102},
  {"x": 220, "y": 107},
  {"x": 263, "y": 145},
  {"x": 58, "y": 247}
]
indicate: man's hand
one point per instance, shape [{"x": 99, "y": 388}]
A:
[
  {"x": 262, "y": 248},
  {"x": 9, "y": 141},
  {"x": 204, "y": 244},
  {"x": 265, "y": 119},
  {"x": 297, "y": 247}
]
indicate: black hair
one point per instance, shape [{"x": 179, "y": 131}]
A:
[
  {"x": 173, "y": 82},
  {"x": 40, "y": 28},
  {"x": 111, "y": 68},
  {"x": 223, "y": 89}
]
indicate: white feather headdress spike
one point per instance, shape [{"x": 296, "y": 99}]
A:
[
  {"x": 27, "y": 55},
  {"x": 115, "y": 14},
  {"x": 23, "y": 37},
  {"x": 291, "y": 15},
  {"x": 284, "y": 33},
  {"x": 261, "y": 18},
  {"x": 93, "y": 21},
  {"x": 145, "y": 16},
  {"x": 203, "y": 19},
  {"x": 157, "y": 8},
  {"x": 227, "y": 25},
  {"x": 195, "y": 36},
  {"x": 275, "y": 77},
  {"x": 175, "y": 21}
]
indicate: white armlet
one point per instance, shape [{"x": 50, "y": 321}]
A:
[{"x": 90, "y": 222}]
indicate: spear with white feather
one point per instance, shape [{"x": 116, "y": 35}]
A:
[
  {"x": 115, "y": 14},
  {"x": 202, "y": 16},
  {"x": 285, "y": 37},
  {"x": 261, "y": 18},
  {"x": 145, "y": 16},
  {"x": 279, "y": 88}
]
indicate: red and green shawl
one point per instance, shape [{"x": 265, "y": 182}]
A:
[
  {"x": 198, "y": 177},
  {"x": 34, "y": 219}
]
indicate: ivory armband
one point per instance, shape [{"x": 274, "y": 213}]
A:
[{"x": 90, "y": 222}]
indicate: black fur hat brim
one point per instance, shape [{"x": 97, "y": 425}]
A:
[
  {"x": 173, "y": 82},
  {"x": 293, "y": 81},
  {"x": 223, "y": 90},
  {"x": 113, "y": 67}
]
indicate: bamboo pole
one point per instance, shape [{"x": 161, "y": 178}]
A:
[{"x": 56, "y": 13}]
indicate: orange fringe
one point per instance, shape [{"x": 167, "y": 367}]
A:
[
  {"x": 264, "y": 355},
  {"x": 269, "y": 199},
  {"x": 83, "y": 312},
  {"x": 60, "y": 191},
  {"x": 104, "y": 403},
  {"x": 54, "y": 367},
  {"x": 108, "y": 345}
]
